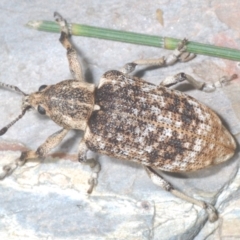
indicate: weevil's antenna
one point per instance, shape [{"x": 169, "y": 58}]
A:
[
  {"x": 4, "y": 129},
  {"x": 12, "y": 88}
]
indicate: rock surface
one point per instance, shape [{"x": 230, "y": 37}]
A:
[{"x": 48, "y": 200}]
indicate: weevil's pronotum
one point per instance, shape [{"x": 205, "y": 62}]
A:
[{"x": 129, "y": 118}]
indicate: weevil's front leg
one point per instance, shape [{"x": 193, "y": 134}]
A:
[
  {"x": 179, "y": 54},
  {"x": 206, "y": 87},
  {"x": 93, "y": 163},
  {"x": 41, "y": 152},
  {"x": 158, "y": 180},
  {"x": 74, "y": 64}
]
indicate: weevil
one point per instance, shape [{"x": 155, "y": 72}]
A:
[{"x": 131, "y": 119}]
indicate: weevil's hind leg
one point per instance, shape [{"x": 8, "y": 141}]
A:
[
  {"x": 158, "y": 180},
  {"x": 206, "y": 87},
  {"x": 179, "y": 54},
  {"x": 74, "y": 64},
  {"x": 41, "y": 152},
  {"x": 92, "y": 162}
]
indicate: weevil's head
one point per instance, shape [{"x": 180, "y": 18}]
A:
[{"x": 68, "y": 103}]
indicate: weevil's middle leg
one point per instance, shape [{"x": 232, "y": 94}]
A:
[
  {"x": 42, "y": 151},
  {"x": 92, "y": 162},
  {"x": 74, "y": 64},
  {"x": 179, "y": 54},
  {"x": 160, "y": 181}
]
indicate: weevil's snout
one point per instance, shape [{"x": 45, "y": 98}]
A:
[{"x": 25, "y": 103}]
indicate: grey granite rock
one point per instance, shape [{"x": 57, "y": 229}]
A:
[{"x": 48, "y": 200}]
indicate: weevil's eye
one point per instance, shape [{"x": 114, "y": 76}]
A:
[
  {"x": 41, "y": 110},
  {"x": 42, "y": 87}
]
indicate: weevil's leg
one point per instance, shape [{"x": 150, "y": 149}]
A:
[
  {"x": 74, "y": 64},
  {"x": 206, "y": 87},
  {"x": 158, "y": 180},
  {"x": 179, "y": 54},
  {"x": 93, "y": 163},
  {"x": 42, "y": 151}
]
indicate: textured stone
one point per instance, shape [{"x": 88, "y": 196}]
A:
[{"x": 48, "y": 200}]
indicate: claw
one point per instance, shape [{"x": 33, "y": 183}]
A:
[
  {"x": 179, "y": 54},
  {"x": 182, "y": 45},
  {"x": 95, "y": 166},
  {"x": 8, "y": 169},
  {"x": 225, "y": 80},
  {"x": 212, "y": 213},
  {"x": 186, "y": 56},
  {"x": 57, "y": 16},
  {"x": 62, "y": 23},
  {"x": 92, "y": 182}
]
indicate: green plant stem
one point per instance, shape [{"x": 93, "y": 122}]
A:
[{"x": 138, "y": 38}]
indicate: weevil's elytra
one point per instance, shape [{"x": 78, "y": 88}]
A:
[
  {"x": 157, "y": 127},
  {"x": 129, "y": 118}
]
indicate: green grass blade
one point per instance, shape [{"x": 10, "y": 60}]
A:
[{"x": 138, "y": 38}]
